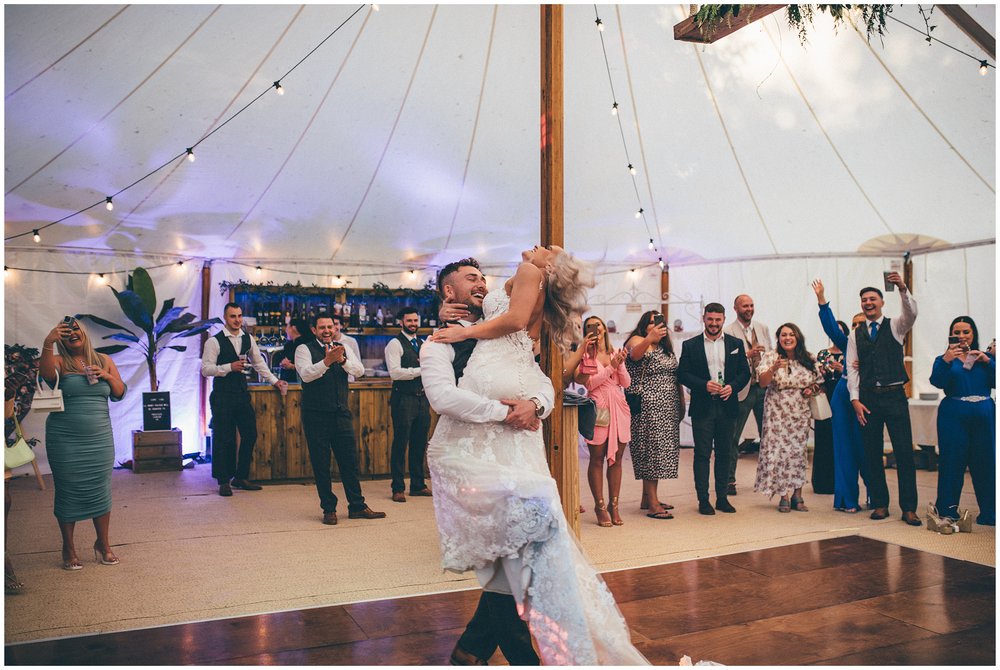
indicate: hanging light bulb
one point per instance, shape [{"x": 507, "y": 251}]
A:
[
  {"x": 108, "y": 205},
  {"x": 662, "y": 264},
  {"x": 639, "y": 213},
  {"x": 614, "y": 109},
  {"x": 180, "y": 264},
  {"x": 35, "y": 236},
  {"x": 651, "y": 246},
  {"x": 600, "y": 25},
  {"x": 190, "y": 154},
  {"x": 278, "y": 88},
  {"x": 258, "y": 269},
  {"x": 376, "y": 7},
  {"x": 631, "y": 168},
  {"x": 6, "y": 272},
  {"x": 632, "y": 274},
  {"x": 983, "y": 67}
]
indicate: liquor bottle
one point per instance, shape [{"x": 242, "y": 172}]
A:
[
  {"x": 363, "y": 315},
  {"x": 347, "y": 314},
  {"x": 432, "y": 317},
  {"x": 379, "y": 317}
]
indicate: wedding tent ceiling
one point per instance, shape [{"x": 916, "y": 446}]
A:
[{"x": 411, "y": 135}]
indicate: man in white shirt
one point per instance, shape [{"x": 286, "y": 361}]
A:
[
  {"x": 323, "y": 366},
  {"x": 227, "y": 357},
  {"x": 340, "y": 337},
  {"x": 496, "y": 621},
  {"x": 875, "y": 380},
  {"x": 411, "y": 415},
  {"x": 756, "y": 338}
]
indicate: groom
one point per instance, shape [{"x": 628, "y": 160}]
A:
[{"x": 496, "y": 621}]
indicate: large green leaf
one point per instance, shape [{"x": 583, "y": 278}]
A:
[
  {"x": 142, "y": 284},
  {"x": 167, "y": 306},
  {"x": 180, "y": 324},
  {"x": 110, "y": 350},
  {"x": 102, "y": 322},
  {"x": 122, "y": 337},
  {"x": 199, "y": 327},
  {"x": 134, "y": 309},
  {"x": 166, "y": 319},
  {"x": 177, "y": 347}
]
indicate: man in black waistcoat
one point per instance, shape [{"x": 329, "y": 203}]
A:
[
  {"x": 411, "y": 415},
  {"x": 227, "y": 357},
  {"x": 496, "y": 622},
  {"x": 324, "y": 366},
  {"x": 712, "y": 365},
  {"x": 876, "y": 384}
]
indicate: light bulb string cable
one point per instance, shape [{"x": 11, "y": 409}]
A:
[
  {"x": 184, "y": 153},
  {"x": 929, "y": 36}
]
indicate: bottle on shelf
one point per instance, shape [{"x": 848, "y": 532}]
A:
[
  {"x": 431, "y": 316},
  {"x": 379, "y": 317},
  {"x": 363, "y": 315}
]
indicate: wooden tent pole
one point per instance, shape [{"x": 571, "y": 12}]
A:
[
  {"x": 206, "y": 302},
  {"x": 665, "y": 295},
  {"x": 560, "y": 428},
  {"x": 908, "y": 340}
]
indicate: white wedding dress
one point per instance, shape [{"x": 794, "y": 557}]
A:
[{"x": 495, "y": 499}]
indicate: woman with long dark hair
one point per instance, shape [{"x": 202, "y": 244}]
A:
[
  {"x": 790, "y": 375},
  {"x": 655, "y": 446},
  {"x": 966, "y": 422}
]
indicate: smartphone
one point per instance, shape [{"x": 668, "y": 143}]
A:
[
  {"x": 68, "y": 320},
  {"x": 592, "y": 328},
  {"x": 658, "y": 320},
  {"x": 889, "y": 286},
  {"x": 952, "y": 340}
]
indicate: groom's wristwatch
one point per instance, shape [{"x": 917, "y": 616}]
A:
[{"x": 538, "y": 406}]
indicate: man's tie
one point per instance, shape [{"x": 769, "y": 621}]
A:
[
  {"x": 416, "y": 344},
  {"x": 874, "y": 331}
]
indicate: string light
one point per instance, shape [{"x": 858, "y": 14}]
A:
[
  {"x": 376, "y": 7},
  {"x": 651, "y": 246},
  {"x": 190, "y": 154},
  {"x": 631, "y": 169},
  {"x": 108, "y": 205},
  {"x": 6, "y": 272},
  {"x": 639, "y": 213},
  {"x": 35, "y": 236},
  {"x": 278, "y": 88},
  {"x": 662, "y": 264},
  {"x": 101, "y": 279},
  {"x": 614, "y": 109},
  {"x": 983, "y": 67},
  {"x": 600, "y": 24},
  {"x": 259, "y": 269}
]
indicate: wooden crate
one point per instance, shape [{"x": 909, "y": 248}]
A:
[{"x": 156, "y": 450}]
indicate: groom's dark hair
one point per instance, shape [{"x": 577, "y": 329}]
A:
[{"x": 452, "y": 268}]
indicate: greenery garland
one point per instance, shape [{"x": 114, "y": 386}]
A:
[{"x": 710, "y": 18}]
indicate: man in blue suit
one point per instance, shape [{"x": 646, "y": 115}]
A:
[{"x": 712, "y": 365}]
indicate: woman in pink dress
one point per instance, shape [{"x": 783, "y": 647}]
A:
[{"x": 606, "y": 387}]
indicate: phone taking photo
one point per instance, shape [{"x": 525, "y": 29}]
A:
[{"x": 953, "y": 340}]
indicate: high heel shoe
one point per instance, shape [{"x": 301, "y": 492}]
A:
[
  {"x": 102, "y": 557},
  {"x": 615, "y": 512},
  {"x": 601, "y": 507},
  {"x": 964, "y": 521},
  {"x": 72, "y": 563}
]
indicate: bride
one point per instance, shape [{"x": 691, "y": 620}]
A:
[{"x": 497, "y": 506}]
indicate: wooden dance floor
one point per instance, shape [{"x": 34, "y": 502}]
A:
[{"x": 844, "y": 601}]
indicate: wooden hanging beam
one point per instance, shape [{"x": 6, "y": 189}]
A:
[
  {"x": 971, "y": 28},
  {"x": 688, "y": 31}
]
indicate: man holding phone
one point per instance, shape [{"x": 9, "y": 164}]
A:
[
  {"x": 324, "y": 366},
  {"x": 875, "y": 379}
]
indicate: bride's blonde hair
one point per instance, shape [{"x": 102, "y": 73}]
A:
[{"x": 566, "y": 287}]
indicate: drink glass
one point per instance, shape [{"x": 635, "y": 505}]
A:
[
  {"x": 91, "y": 373},
  {"x": 246, "y": 364}
]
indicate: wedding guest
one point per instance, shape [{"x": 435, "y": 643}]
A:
[
  {"x": 297, "y": 331},
  {"x": 830, "y": 362},
  {"x": 789, "y": 375},
  {"x": 78, "y": 440},
  {"x": 655, "y": 429},
  {"x": 966, "y": 422},
  {"x": 612, "y": 429}
]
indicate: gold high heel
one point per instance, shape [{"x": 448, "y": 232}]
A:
[
  {"x": 616, "y": 513},
  {"x": 601, "y": 507}
]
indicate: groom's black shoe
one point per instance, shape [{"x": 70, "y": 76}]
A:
[{"x": 460, "y": 656}]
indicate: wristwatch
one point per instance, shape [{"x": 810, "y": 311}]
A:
[{"x": 538, "y": 406}]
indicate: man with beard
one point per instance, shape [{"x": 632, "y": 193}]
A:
[
  {"x": 496, "y": 622},
  {"x": 411, "y": 415},
  {"x": 756, "y": 338},
  {"x": 712, "y": 365}
]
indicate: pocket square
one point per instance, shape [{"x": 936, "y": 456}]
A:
[{"x": 734, "y": 351}]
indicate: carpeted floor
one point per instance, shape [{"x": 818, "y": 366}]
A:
[{"x": 188, "y": 554}]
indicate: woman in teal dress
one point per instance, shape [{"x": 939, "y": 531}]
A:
[{"x": 78, "y": 440}]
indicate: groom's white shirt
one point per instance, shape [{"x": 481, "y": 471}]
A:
[{"x": 447, "y": 399}]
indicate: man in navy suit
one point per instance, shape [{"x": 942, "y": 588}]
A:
[{"x": 712, "y": 365}]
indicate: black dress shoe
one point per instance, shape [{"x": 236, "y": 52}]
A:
[
  {"x": 426, "y": 491},
  {"x": 880, "y": 513},
  {"x": 911, "y": 518},
  {"x": 225, "y": 490},
  {"x": 330, "y": 518},
  {"x": 731, "y": 489},
  {"x": 245, "y": 485},
  {"x": 724, "y": 506},
  {"x": 705, "y": 507},
  {"x": 460, "y": 656},
  {"x": 366, "y": 513}
]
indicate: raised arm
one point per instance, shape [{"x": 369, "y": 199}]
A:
[{"x": 525, "y": 287}]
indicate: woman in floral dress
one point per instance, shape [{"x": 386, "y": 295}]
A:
[{"x": 791, "y": 376}]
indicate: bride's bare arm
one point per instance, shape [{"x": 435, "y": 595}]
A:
[{"x": 523, "y": 298}]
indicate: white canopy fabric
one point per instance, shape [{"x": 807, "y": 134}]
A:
[{"x": 410, "y": 138}]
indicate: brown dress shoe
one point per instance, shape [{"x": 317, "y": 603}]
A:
[
  {"x": 880, "y": 513},
  {"x": 911, "y": 518},
  {"x": 426, "y": 491},
  {"x": 225, "y": 490},
  {"x": 366, "y": 513},
  {"x": 397, "y": 496},
  {"x": 245, "y": 485},
  {"x": 460, "y": 656},
  {"x": 330, "y": 518}
]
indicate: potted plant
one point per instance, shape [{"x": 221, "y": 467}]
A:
[{"x": 154, "y": 334}]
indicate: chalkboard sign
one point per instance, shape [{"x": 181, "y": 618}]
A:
[{"x": 156, "y": 411}]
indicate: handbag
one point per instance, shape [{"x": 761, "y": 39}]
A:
[
  {"x": 603, "y": 417},
  {"x": 819, "y": 407},
  {"x": 634, "y": 398},
  {"x": 19, "y": 453},
  {"x": 47, "y": 400}
]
